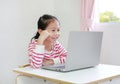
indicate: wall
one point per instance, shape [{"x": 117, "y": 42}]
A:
[
  {"x": 68, "y": 11},
  {"x": 17, "y": 25},
  {"x": 111, "y": 43}
]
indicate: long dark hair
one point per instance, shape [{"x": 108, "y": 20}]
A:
[{"x": 43, "y": 22}]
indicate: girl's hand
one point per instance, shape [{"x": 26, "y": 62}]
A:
[
  {"x": 47, "y": 62},
  {"x": 43, "y": 35}
]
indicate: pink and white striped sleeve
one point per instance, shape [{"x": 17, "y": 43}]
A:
[
  {"x": 36, "y": 54},
  {"x": 62, "y": 53}
]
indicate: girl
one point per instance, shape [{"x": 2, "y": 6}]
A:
[{"x": 44, "y": 49}]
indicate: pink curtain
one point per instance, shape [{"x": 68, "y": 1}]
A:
[{"x": 86, "y": 11}]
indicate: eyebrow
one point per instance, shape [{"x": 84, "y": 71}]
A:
[{"x": 55, "y": 28}]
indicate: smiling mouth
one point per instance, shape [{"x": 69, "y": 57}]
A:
[{"x": 54, "y": 38}]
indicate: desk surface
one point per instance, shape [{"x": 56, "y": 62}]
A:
[{"x": 102, "y": 72}]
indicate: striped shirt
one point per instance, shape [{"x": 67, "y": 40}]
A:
[{"x": 37, "y": 53}]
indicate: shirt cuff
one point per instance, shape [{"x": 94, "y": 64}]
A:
[
  {"x": 39, "y": 48},
  {"x": 56, "y": 60}
]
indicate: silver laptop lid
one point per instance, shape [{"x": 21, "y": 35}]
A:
[{"x": 84, "y": 48}]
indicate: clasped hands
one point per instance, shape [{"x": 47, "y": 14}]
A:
[{"x": 47, "y": 62}]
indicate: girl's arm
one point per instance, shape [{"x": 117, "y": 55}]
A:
[
  {"x": 36, "y": 50},
  {"x": 61, "y": 54},
  {"x": 36, "y": 54}
]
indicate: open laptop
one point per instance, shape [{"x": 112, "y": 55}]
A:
[{"x": 84, "y": 48}]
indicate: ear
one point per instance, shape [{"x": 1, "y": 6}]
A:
[{"x": 39, "y": 30}]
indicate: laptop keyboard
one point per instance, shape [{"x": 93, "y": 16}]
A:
[
  {"x": 58, "y": 66},
  {"x": 61, "y": 67}
]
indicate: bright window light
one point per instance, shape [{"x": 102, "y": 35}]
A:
[{"x": 107, "y": 11}]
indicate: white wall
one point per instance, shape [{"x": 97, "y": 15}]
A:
[
  {"x": 111, "y": 43},
  {"x": 18, "y": 24},
  {"x": 68, "y": 12}
]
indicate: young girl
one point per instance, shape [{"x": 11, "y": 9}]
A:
[{"x": 44, "y": 49}]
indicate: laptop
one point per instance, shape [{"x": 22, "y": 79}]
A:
[{"x": 84, "y": 48}]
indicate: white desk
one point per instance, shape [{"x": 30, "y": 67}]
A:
[{"x": 94, "y": 75}]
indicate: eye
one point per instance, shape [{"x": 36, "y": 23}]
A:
[{"x": 53, "y": 30}]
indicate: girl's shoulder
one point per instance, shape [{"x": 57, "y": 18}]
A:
[
  {"x": 57, "y": 44},
  {"x": 33, "y": 42}
]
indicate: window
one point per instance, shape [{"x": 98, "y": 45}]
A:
[{"x": 107, "y": 11}]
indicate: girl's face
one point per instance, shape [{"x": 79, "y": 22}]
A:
[{"x": 54, "y": 30}]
